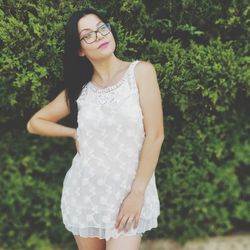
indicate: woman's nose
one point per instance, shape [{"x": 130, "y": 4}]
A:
[{"x": 99, "y": 35}]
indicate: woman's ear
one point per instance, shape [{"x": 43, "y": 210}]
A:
[{"x": 81, "y": 53}]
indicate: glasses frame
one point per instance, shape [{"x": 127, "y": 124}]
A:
[{"x": 98, "y": 30}]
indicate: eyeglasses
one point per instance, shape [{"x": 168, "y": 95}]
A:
[{"x": 92, "y": 36}]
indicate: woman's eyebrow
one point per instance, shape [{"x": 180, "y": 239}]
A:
[{"x": 89, "y": 28}]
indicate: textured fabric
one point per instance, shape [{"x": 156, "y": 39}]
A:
[{"x": 110, "y": 134}]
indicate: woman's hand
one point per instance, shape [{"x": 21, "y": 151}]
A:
[
  {"x": 130, "y": 209},
  {"x": 75, "y": 137}
]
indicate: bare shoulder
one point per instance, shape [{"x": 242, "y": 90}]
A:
[
  {"x": 142, "y": 65},
  {"x": 145, "y": 74}
]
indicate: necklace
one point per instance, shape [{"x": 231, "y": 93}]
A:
[{"x": 103, "y": 86}]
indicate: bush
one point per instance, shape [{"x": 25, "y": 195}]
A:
[{"x": 203, "y": 72}]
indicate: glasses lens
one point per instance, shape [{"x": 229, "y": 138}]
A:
[
  {"x": 105, "y": 29},
  {"x": 90, "y": 37}
]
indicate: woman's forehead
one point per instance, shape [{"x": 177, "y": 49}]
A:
[{"x": 88, "y": 22}]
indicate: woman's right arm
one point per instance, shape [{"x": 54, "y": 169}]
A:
[{"x": 44, "y": 122}]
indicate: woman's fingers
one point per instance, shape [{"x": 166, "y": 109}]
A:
[
  {"x": 136, "y": 221},
  {"x": 126, "y": 223},
  {"x": 77, "y": 146},
  {"x": 122, "y": 223},
  {"x": 129, "y": 223}
]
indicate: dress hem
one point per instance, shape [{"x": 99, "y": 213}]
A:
[{"x": 108, "y": 233}]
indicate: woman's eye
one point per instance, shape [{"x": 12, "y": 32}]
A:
[
  {"x": 104, "y": 27},
  {"x": 88, "y": 35}
]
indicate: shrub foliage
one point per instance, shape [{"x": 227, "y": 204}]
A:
[{"x": 201, "y": 55}]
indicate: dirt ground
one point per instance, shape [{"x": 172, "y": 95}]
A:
[{"x": 236, "y": 242}]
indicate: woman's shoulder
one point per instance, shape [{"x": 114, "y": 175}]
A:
[
  {"x": 143, "y": 64},
  {"x": 144, "y": 70}
]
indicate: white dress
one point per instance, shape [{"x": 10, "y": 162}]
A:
[{"x": 111, "y": 134}]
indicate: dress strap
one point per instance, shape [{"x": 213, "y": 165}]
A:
[{"x": 131, "y": 77}]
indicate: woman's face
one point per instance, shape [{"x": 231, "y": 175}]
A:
[{"x": 89, "y": 23}]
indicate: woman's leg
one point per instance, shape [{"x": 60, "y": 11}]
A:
[
  {"x": 90, "y": 243},
  {"x": 124, "y": 242}
]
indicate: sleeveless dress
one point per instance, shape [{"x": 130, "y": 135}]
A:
[{"x": 110, "y": 134}]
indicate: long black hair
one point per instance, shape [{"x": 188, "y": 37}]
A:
[{"x": 78, "y": 70}]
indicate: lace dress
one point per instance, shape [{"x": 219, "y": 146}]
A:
[{"x": 110, "y": 134}]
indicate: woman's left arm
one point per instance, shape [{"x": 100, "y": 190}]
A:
[{"x": 151, "y": 104}]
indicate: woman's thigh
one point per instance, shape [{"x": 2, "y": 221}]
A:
[
  {"x": 124, "y": 242},
  {"x": 90, "y": 243}
]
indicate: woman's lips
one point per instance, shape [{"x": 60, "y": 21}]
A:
[{"x": 103, "y": 45}]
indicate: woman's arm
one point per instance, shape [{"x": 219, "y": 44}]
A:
[
  {"x": 44, "y": 122},
  {"x": 151, "y": 103},
  {"x": 150, "y": 100}
]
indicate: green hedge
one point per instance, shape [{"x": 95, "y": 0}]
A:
[{"x": 200, "y": 52}]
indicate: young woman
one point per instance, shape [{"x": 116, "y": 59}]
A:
[{"x": 109, "y": 197}]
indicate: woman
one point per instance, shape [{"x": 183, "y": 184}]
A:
[{"x": 109, "y": 197}]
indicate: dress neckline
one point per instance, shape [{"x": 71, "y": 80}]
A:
[{"x": 113, "y": 86}]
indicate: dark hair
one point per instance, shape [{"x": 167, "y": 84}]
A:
[{"x": 78, "y": 70}]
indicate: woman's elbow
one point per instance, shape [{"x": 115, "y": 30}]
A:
[
  {"x": 156, "y": 136},
  {"x": 29, "y": 127}
]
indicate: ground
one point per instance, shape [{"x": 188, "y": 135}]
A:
[{"x": 235, "y": 242}]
